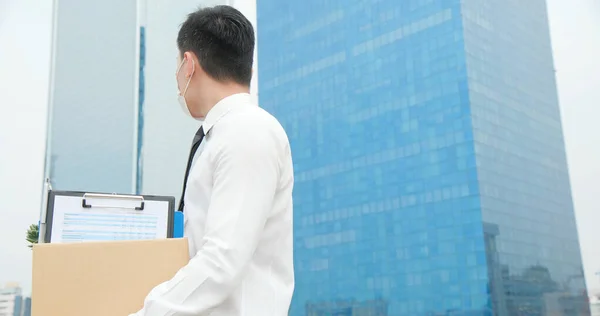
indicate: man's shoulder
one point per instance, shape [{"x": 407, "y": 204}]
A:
[
  {"x": 252, "y": 129},
  {"x": 255, "y": 121}
]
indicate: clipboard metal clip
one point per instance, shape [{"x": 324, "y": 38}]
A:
[{"x": 85, "y": 203}]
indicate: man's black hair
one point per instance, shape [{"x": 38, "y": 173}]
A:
[{"x": 223, "y": 40}]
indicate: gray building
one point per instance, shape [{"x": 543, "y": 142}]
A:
[{"x": 92, "y": 130}]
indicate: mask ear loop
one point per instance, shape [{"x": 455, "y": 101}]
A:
[
  {"x": 177, "y": 75},
  {"x": 190, "y": 79},
  {"x": 179, "y": 68}
]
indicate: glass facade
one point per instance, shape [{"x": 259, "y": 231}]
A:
[
  {"x": 431, "y": 175},
  {"x": 91, "y": 145},
  {"x": 521, "y": 162}
]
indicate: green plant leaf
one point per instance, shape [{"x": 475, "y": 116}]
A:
[{"x": 32, "y": 235}]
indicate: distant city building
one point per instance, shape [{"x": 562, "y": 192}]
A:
[
  {"x": 27, "y": 306},
  {"x": 12, "y": 302},
  {"x": 431, "y": 173}
]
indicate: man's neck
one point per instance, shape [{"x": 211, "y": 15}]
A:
[{"x": 225, "y": 91}]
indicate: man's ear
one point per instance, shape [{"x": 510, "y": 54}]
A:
[{"x": 190, "y": 65}]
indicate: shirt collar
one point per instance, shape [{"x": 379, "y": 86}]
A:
[{"x": 223, "y": 107}]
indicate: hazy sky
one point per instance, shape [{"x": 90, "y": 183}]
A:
[
  {"x": 24, "y": 70},
  {"x": 575, "y": 27}
]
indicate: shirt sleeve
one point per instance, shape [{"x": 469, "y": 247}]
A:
[{"x": 244, "y": 186}]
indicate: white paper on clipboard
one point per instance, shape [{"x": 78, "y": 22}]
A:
[{"x": 107, "y": 219}]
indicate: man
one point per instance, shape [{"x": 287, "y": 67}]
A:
[{"x": 238, "y": 196}]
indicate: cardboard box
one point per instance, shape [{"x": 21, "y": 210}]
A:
[{"x": 101, "y": 278}]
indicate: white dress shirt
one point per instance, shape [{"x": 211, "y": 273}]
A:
[{"x": 238, "y": 219}]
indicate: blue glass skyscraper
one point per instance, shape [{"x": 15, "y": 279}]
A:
[{"x": 431, "y": 176}]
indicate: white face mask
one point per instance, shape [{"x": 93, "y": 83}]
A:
[{"x": 181, "y": 96}]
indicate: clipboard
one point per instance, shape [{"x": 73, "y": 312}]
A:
[{"x": 73, "y": 216}]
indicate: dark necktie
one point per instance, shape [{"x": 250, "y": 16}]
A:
[{"x": 195, "y": 144}]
